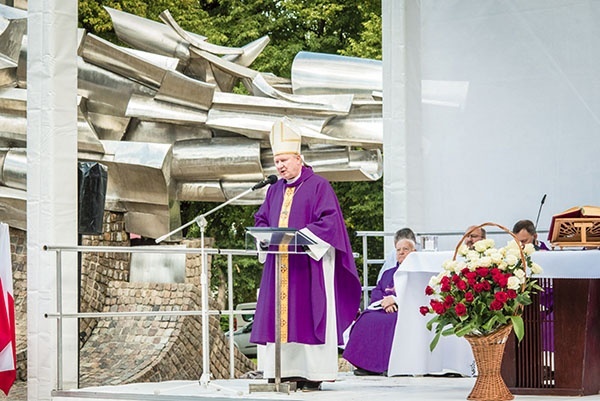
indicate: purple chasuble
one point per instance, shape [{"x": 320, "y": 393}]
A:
[
  {"x": 314, "y": 206},
  {"x": 370, "y": 343}
]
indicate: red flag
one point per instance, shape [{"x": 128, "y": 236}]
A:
[{"x": 8, "y": 349}]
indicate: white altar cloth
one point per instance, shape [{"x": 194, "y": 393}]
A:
[{"x": 410, "y": 350}]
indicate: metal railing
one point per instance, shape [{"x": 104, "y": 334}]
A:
[{"x": 59, "y": 315}]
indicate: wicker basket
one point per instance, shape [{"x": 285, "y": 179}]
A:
[{"x": 489, "y": 349}]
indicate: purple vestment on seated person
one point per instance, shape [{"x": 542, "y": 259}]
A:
[
  {"x": 314, "y": 206},
  {"x": 371, "y": 337}
]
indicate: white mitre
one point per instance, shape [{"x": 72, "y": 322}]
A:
[{"x": 285, "y": 137}]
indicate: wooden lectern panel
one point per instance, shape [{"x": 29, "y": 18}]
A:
[{"x": 560, "y": 354}]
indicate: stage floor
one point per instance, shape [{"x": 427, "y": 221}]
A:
[{"x": 347, "y": 388}]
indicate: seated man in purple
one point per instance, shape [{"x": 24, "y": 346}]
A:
[
  {"x": 525, "y": 232},
  {"x": 371, "y": 337}
]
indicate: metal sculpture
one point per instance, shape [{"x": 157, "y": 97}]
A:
[{"x": 162, "y": 117}]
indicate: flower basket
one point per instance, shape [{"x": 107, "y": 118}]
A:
[
  {"x": 482, "y": 298},
  {"x": 488, "y": 351}
]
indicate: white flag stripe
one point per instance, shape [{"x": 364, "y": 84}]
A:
[
  {"x": 6, "y": 359},
  {"x": 7, "y": 322}
]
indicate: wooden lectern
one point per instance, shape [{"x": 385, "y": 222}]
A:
[
  {"x": 560, "y": 353},
  {"x": 577, "y": 226}
]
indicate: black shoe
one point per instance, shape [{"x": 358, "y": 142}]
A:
[
  {"x": 297, "y": 379},
  {"x": 309, "y": 385},
  {"x": 365, "y": 372}
]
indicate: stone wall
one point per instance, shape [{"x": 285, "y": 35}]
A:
[
  {"x": 98, "y": 269},
  {"x": 18, "y": 253},
  {"x": 154, "y": 348}
]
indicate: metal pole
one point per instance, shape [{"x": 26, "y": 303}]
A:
[
  {"x": 59, "y": 321},
  {"x": 365, "y": 274},
  {"x": 230, "y": 286},
  {"x": 201, "y": 218},
  {"x": 278, "y": 323},
  {"x": 205, "y": 378}
]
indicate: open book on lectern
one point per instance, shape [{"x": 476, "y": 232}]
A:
[{"x": 261, "y": 238}]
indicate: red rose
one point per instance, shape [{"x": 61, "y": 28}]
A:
[
  {"x": 462, "y": 285},
  {"x": 469, "y": 296},
  {"x": 437, "y": 307},
  {"x": 424, "y": 310},
  {"x": 496, "y": 305},
  {"x": 501, "y": 296},
  {"x": 429, "y": 290},
  {"x": 448, "y": 301},
  {"x": 486, "y": 285},
  {"x": 501, "y": 280},
  {"x": 460, "y": 309},
  {"x": 471, "y": 275},
  {"x": 512, "y": 294},
  {"x": 445, "y": 284},
  {"x": 482, "y": 271}
]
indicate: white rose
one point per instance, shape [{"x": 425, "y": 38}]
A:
[
  {"x": 512, "y": 244},
  {"x": 490, "y": 251},
  {"x": 513, "y": 283},
  {"x": 449, "y": 265},
  {"x": 472, "y": 255},
  {"x": 489, "y": 243},
  {"x": 485, "y": 261},
  {"x": 514, "y": 251},
  {"x": 536, "y": 269},
  {"x": 459, "y": 266},
  {"x": 520, "y": 273},
  {"x": 463, "y": 250},
  {"x": 496, "y": 257},
  {"x": 434, "y": 281},
  {"x": 480, "y": 246},
  {"x": 511, "y": 260},
  {"x": 502, "y": 266},
  {"x": 529, "y": 249}
]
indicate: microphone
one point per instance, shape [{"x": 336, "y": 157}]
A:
[
  {"x": 272, "y": 179},
  {"x": 540, "y": 210}
]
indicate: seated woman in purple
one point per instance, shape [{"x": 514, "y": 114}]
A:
[{"x": 370, "y": 341}]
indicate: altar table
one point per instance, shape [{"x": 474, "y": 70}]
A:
[{"x": 410, "y": 353}]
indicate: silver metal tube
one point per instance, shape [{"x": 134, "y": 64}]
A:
[
  {"x": 230, "y": 304},
  {"x": 59, "y": 323}
]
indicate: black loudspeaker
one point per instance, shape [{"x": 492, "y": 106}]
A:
[{"x": 93, "y": 179}]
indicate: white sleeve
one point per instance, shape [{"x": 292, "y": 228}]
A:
[{"x": 317, "y": 250}]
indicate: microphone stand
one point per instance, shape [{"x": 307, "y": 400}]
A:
[
  {"x": 539, "y": 211},
  {"x": 201, "y": 221}
]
